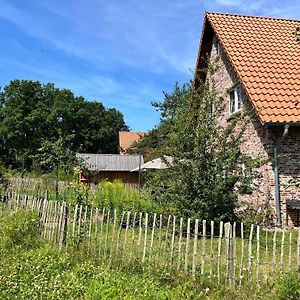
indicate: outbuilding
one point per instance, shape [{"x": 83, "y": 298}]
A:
[{"x": 111, "y": 167}]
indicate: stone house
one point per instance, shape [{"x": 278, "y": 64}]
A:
[{"x": 259, "y": 68}]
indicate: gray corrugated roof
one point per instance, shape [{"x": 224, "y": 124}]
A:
[{"x": 110, "y": 162}]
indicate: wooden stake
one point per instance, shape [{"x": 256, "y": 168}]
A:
[
  {"x": 290, "y": 250},
  {"x": 74, "y": 221},
  {"x": 140, "y": 235},
  {"x": 51, "y": 218},
  {"x": 229, "y": 252},
  {"x": 113, "y": 234},
  {"x": 145, "y": 238},
  {"x": 160, "y": 239},
  {"x": 195, "y": 247},
  {"x": 132, "y": 235},
  {"x": 282, "y": 251},
  {"x": 203, "y": 246},
  {"x": 267, "y": 254},
  {"x": 274, "y": 250},
  {"x": 126, "y": 231},
  {"x": 212, "y": 224},
  {"x": 90, "y": 231},
  {"x": 106, "y": 233},
  {"x": 250, "y": 249},
  {"x": 152, "y": 237},
  {"x": 187, "y": 246},
  {"x": 119, "y": 233},
  {"x": 96, "y": 231},
  {"x": 179, "y": 244},
  {"x": 166, "y": 241},
  {"x": 173, "y": 241},
  {"x": 219, "y": 249},
  {"x": 257, "y": 253},
  {"x": 79, "y": 225},
  {"x": 101, "y": 231},
  {"x": 234, "y": 249},
  {"x": 84, "y": 227}
]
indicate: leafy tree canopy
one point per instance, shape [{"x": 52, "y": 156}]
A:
[
  {"x": 208, "y": 169},
  {"x": 36, "y": 118}
]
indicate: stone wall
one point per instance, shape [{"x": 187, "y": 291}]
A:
[{"x": 259, "y": 141}]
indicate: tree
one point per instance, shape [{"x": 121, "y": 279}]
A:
[
  {"x": 34, "y": 117},
  {"x": 156, "y": 142},
  {"x": 208, "y": 167}
]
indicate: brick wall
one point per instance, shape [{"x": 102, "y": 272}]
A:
[{"x": 259, "y": 143}]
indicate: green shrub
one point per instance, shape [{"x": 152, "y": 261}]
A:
[
  {"x": 18, "y": 230},
  {"x": 288, "y": 286}
]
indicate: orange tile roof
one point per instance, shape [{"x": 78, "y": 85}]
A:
[
  {"x": 126, "y": 139},
  {"x": 265, "y": 54}
]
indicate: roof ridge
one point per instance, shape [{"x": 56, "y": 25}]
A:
[
  {"x": 224, "y": 27},
  {"x": 250, "y": 16},
  {"x": 108, "y": 154}
]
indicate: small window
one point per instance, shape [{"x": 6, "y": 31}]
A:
[{"x": 235, "y": 100}]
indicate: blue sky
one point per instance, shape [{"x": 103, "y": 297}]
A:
[{"x": 123, "y": 53}]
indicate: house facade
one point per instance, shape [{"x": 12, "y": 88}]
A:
[{"x": 258, "y": 68}]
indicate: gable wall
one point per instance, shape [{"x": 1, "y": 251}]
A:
[{"x": 259, "y": 143}]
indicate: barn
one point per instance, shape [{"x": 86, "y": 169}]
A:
[{"x": 111, "y": 167}]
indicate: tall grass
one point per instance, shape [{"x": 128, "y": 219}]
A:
[{"x": 40, "y": 271}]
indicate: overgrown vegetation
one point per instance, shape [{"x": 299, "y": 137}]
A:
[
  {"x": 109, "y": 195},
  {"x": 208, "y": 170},
  {"x": 40, "y": 271}
]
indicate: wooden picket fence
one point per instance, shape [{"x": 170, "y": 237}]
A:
[{"x": 221, "y": 252}]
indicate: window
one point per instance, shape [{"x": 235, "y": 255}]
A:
[{"x": 235, "y": 100}]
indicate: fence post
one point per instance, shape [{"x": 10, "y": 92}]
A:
[
  {"x": 173, "y": 241},
  {"x": 219, "y": 249},
  {"x": 257, "y": 252},
  {"x": 229, "y": 253},
  {"x": 195, "y": 247},
  {"x": 282, "y": 250},
  {"x": 145, "y": 238},
  {"x": 203, "y": 246},
  {"x": 152, "y": 237},
  {"x": 212, "y": 224},
  {"x": 132, "y": 235},
  {"x": 64, "y": 225},
  {"x": 179, "y": 244},
  {"x": 187, "y": 246},
  {"x": 250, "y": 248},
  {"x": 166, "y": 241}
]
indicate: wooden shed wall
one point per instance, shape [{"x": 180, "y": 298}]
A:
[{"x": 130, "y": 179}]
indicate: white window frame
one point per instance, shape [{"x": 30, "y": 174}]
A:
[{"x": 235, "y": 100}]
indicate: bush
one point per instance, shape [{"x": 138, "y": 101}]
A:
[
  {"x": 250, "y": 213},
  {"x": 288, "y": 286},
  {"x": 18, "y": 230}
]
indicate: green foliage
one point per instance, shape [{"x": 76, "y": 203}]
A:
[
  {"x": 208, "y": 168},
  {"x": 38, "y": 270},
  {"x": 250, "y": 213},
  {"x": 18, "y": 230},
  {"x": 156, "y": 142},
  {"x": 288, "y": 286},
  {"x": 109, "y": 195},
  {"x": 42, "y": 126}
]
